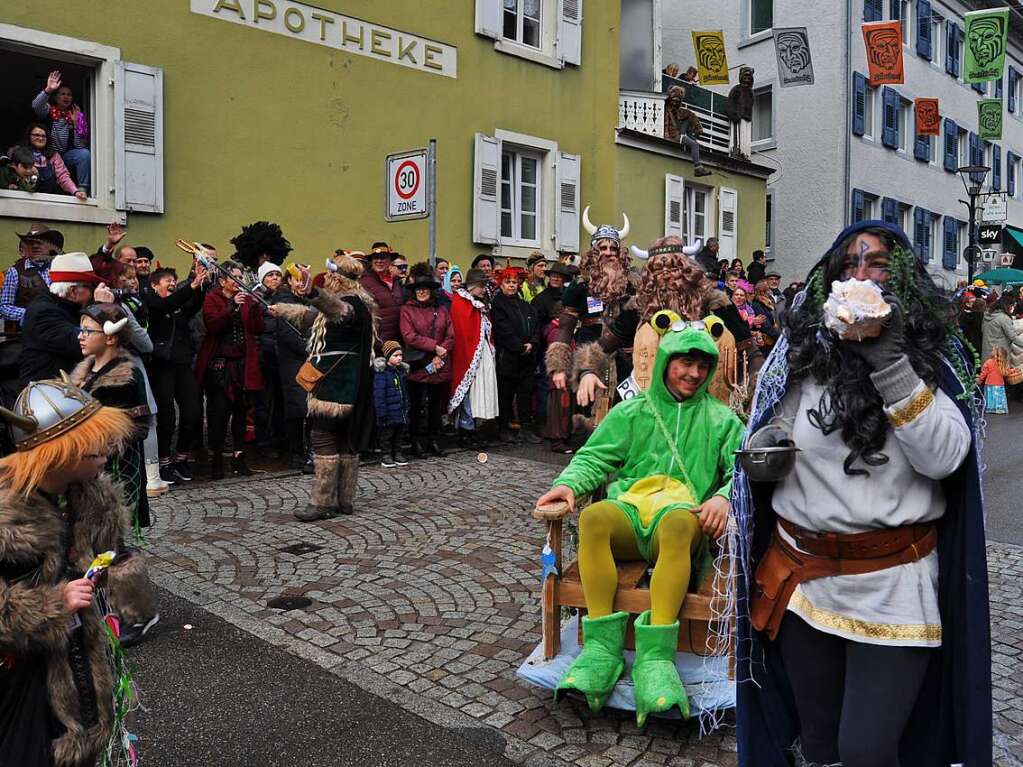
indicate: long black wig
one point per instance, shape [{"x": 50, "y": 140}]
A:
[{"x": 850, "y": 404}]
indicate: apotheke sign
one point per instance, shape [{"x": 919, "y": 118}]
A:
[{"x": 351, "y": 35}]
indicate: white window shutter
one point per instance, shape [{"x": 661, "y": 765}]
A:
[
  {"x": 728, "y": 222},
  {"x": 570, "y": 31},
  {"x": 138, "y": 137},
  {"x": 674, "y": 193},
  {"x": 486, "y": 180},
  {"x": 566, "y": 233},
  {"x": 488, "y": 18}
]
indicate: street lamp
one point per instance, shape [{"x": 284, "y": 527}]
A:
[{"x": 973, "y": 180}]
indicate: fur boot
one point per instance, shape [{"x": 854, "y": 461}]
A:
[
  {"x": 347, "y": 483},
  {"x": 323, "y": 496},
  {"x": 130, "y": 592}
]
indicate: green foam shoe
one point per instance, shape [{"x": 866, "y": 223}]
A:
[
  {"x": 654, "y": 676},
  {"x": 596, "y": 670}
]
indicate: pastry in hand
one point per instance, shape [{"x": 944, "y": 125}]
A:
[{"x": 856, "y": 310}]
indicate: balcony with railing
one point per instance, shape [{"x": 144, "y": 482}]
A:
[{"x": 643, "y": 111}]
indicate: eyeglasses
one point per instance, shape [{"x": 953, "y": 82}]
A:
[
  {"x": 402, "y": 267},
  {"x": 37, "y": 135},
  {"x": 680, "y": 325},
  {"x": 87, "y": 331}
]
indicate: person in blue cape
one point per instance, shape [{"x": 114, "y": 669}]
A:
[{"x": 863, "y": 630}]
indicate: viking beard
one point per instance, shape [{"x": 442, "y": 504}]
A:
[
  {"x": 608, "y": 277},
  {"x": 671, "y": 282}
]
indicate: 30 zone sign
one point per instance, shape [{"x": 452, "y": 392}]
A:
[{"x": 406, "y": 185}]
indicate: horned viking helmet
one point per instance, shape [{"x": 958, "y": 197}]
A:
[
  {"x": 605, "y": 231},
  {"x": 46, "y": 409}
]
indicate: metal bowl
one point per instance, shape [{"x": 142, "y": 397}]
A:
[{"x": 768, "y": 464}]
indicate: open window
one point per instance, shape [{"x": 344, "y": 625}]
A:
[
  {"x": 545, "y": 31},
  {"x": 125, "y": 140}
]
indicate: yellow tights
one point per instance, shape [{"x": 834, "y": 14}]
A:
[{"x": 606, "y": 535}]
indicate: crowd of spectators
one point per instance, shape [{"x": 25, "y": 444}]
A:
[{"x": 54, "y": 154}]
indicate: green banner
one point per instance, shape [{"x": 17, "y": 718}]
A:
[
  {"x": 989, "y": 118},
  {"x": 986, "y": 36}
]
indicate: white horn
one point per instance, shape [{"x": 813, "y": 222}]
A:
[
  {"x": 113, "y": 328},
  {"x": 624, "y": 231},
  {"x": 692, "y": 250},
  {"x": 331, "y": 266},
  {"x": 590, "y": 228},
  {"x": 639, "y": 253}
]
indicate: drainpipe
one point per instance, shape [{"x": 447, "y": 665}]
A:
[{"x": 847, "y": 78}]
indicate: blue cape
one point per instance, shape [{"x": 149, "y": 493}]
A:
[{"x": 952, "y": 720}]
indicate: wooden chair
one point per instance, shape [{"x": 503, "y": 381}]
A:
[{"x": 565, "y": 589}]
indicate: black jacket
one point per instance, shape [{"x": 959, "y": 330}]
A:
[
  {"x": 291, "y": 354},
  {"x": 755, "y": 273},
  {"x": 546, "y": 306},
  {"x": 515, "y": 325},
  {"x": 49, "y": 338},
  {"x": 168, "y": 323}
]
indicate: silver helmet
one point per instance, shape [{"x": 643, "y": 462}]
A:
[
  {"x": 605, "y": 231},
  {"x": 47, "y": 409}
]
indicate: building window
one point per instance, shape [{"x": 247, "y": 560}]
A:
[
  {"x": 522, "y": 21},
  {"x": 761, "y": 16},
  {"x": 936, "y": 38},
  {"x": 767, "y": 221},
  {"x": 870, "y": 203},
  {"x": 694, "y": 213},
  {"x": 964, "y": 148},
  {"x": 906, "y": 16},
  {"x": 904, "y": 121},
  {"x": 763, "y": 114},
  {"x": 520, "y": 195},
  {"x": 868, "y": 112}
]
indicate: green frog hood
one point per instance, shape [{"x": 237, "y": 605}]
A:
[
  {"x": 661, "y": 452},
  {"x": 673, "y": 344}
]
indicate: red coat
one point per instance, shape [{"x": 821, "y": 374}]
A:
[
  {"x": 388, "y": 310},
  {"x": 467, "y": 322},
  {"x": 416, "y": 322},
  {"x": 216, "y": 314}
]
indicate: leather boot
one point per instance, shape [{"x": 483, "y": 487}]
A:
[
  {"x": 416, "y": 450},
  {"x": 323, "y": 496},
  {"x": 238, "y": 465},
  {"x": 347, "y": 483},
  {"x": 217, "y": 466},
  {"x": 435, "y": 449}
]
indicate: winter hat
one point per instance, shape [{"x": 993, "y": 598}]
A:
[
  {"x": 73, "y": 267},
  {"x": 390, "y": 347},
  {"x": 475, "y": 277},
  {"x": 267, "y": 268}
]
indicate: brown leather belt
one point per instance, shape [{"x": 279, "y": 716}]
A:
[
  {"x": 783, "y": 567},
  {"x": 590, "y": 321},
  {"x": 869, "y": 545}
]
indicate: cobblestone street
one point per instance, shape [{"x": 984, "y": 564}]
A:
[{"x": 428, "y": 597}]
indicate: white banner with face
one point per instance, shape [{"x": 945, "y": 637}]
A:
[{"x": 792, "y": 47}]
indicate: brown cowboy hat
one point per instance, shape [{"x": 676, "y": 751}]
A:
[{"x": 43, "y": 233}]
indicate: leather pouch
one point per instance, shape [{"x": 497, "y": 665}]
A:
[
  {"x": 776, "y": 579},
  {"x": 309, "y": 376}
]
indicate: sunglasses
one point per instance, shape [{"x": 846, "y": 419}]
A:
[{"x": 402, "y": 267}]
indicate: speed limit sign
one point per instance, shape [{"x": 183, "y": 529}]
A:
[{"x": 407, "y": 182}]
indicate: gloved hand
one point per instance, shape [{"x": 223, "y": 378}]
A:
[{"x": 887, "y": 348}]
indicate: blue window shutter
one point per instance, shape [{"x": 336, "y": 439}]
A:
[
  {"x": 873, "y": 10},
  {"x": 859, "y": 103},
  {"x": 919, "y": 227},
  {"x": 950, "y": 47},
  {"x": 979, "y": 87},
  {"x": 890, "y": 118},
  {"x": 949, "y": 254},
  {"x": 956, "y": 37},
  {"x": 896, "y": 8},
  {"x": 923, "y": 28},
  {"x": 996, "y": 168},
  {"x": 951, "y": 145},
  {"x": 1010, "y": 174},
  {"x": 998, "y": 88},
  {"x": 922, "y": 147},
  {"x": 859, "y": 204},
  {"x": 925, "y": 218},
  {"x": 889, "y": 210},
  {"x": 1013, "y": 76}
]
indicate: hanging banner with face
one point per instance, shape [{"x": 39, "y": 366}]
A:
[
  {"x": 989, "y": 119},
  {"x": 986, "y": 34},
  {"x": 928, "y": 117},
  {"x": 792, "y": 49},
  {"x": 883, "y": 40},
  {"x": 711, "y": 59}
]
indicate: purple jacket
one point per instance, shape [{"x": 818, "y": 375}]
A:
[{"x": 416, "y": 322}]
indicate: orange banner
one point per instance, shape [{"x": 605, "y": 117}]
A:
[
  {"x": 883, "y": 40},
  {"x": 928, "y": 117}
]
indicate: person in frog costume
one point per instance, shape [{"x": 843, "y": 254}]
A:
[{"x": 669, "y": 450}]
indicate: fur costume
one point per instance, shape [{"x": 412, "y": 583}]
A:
[
  {"x": 34, "y": 620},
  {"x": 676, "y": 114},
  {"x": 263, "y": 238}
]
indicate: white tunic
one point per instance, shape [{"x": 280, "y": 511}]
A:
[{"x": 899, "y": 605}]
